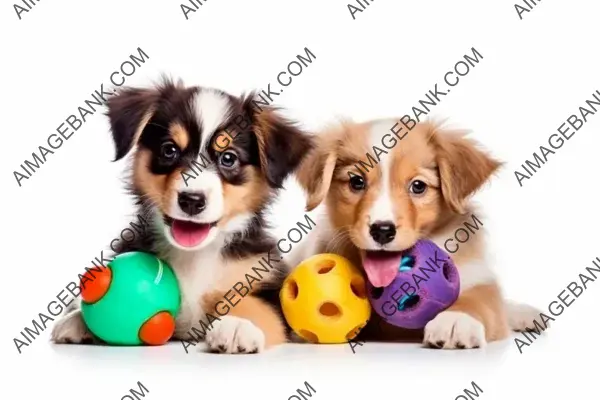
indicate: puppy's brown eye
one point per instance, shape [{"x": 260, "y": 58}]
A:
[
  {"x": 357, "y": 183},
  {"x": 229, "y": 159},
  {"x": 169, "y": 152},
  {"x": 418, "y": 187}
]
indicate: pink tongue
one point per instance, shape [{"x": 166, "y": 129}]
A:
[
  {"x": 189, "y": 234},
  {"x": 382, "y": 267}
]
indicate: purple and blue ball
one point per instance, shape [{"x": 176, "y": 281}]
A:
[{"x": 426, "y": 284}]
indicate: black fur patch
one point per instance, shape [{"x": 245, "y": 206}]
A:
[
  {"x": 254, "y": 241},
  {"x": 284, "y": 143}
]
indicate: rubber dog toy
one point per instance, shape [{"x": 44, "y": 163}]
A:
[
  {"x": 427, "y": 282},
  {"x": 324, "y": 299},
  {"x": 133, "y": 300}
]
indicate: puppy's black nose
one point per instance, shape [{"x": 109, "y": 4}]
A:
[
  {"x": 382, "y": 232},
  {"x": 191, "y": 203}
]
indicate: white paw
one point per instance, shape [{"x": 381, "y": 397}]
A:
[
  {"x": 454, "y": 330},
  {"x": 235, "y": 335},
  {"x": 71, "y": 329},
  {"x": 522, "y": 316}
]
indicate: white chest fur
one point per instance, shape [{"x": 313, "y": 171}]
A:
[{"x": 197, "y": 273}]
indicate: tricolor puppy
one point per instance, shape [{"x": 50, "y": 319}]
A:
[
  {"x": 208, "y": 225},
  {"x": 416, "y": 187}
]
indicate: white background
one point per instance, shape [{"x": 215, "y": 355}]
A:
[{"x": 535, "y": 72}]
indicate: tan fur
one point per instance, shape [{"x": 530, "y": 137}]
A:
[
  {"x": 179, "y": 135},
  {"x": 316, "y": 171},
  {"x": 249, "y": 307},
  {"x": 255, "y": 310},
  {"x": 237, "y": 270},
  {"x": 473, "y": 249},
  {"x": 264, "y": 316},
  {"x": 463, "y": 168},
  {"x": 485, "y": 304},
  {"x": 159, "y": 188},
  {"x": 264, "y": 125},
  {"x": 222, "y": 141},
  {"x": 452, "y": 167},
  {"x": 153, "y": 186},
  {"x": 244, "y": 198}
]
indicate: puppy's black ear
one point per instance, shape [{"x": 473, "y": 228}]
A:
[
  {"x": 281, "y": 144},
  {"x": 129, "y": 111}
]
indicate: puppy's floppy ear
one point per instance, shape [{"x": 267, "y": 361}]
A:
[
  {"x": 316, "y": 171},
  {"x": 315, "y": 175},
  {"x": 462, "y": 165},
  {"x": 129, "y": 112},
  {"x": 281, "y": 144}
]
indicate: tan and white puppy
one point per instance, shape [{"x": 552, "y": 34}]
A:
[{"x": 414, "y": 184}]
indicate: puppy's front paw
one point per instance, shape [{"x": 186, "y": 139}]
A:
[
  {"x": 521, "y": 317},
  {"x": 454, "y": 330},
  {"x": 71, "y": 329},
  {"x": 235, "y": 335}
]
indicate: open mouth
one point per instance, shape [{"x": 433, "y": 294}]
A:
[
  {"x": 188, "y": 233},
  {"x": 382, "y": 266}
]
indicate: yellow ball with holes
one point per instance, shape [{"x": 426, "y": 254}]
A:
[{"x": 324, "y": 300}]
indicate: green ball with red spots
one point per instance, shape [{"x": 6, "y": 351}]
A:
[{"x": 134, "y": 300}]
